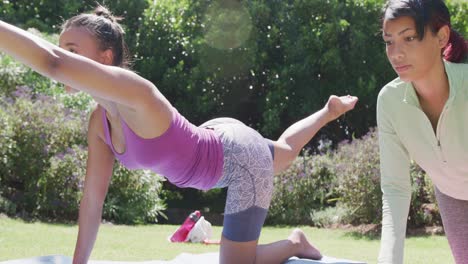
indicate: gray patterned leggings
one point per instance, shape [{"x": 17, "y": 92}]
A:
[
  {"x": 454, "y": 215},
  {"x": 248, "y": 174}
]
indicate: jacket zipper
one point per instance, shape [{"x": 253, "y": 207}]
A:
[{"x": 439, "y": 123}]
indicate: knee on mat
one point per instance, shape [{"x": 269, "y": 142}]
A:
[{"x": 244, "y": 226}]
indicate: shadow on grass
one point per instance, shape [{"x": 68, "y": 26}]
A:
[
  {"x": 31, "y": 220},
  {"x": 359, "y": 233},
  {"x": 360, "y": 236},
  {"x": 373, "y": 232}
]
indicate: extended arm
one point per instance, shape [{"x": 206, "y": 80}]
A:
[
  {"x": 107, "y": 82},
  {"x": 396, "y": 189},
  {"x": 98, "y": 174}
]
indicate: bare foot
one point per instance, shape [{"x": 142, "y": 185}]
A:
[
  {"x": 304, "y": 248},
  {"x": 337, "y": 106}
]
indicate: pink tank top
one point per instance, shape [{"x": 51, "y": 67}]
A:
[{"x": 188, "y": 156}]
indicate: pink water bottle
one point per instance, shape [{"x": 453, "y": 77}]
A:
[{"x": 181, "y": 233}]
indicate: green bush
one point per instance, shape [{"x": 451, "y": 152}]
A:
[
  {"x": 265, "y": 63},
  {"x": 343, "y": 187},
  {"x": 6, "y": 206},
  {"x": 422, "y": 200},
  {"x": 268, "y": 63},
  {"x": 43, "y": 163},
  {"x": 459, "y": 16},
  {"x": 41, "y": 129},
  {"x": 48, "y": 16},
  {"x": 358, "y": 174},
  {"x": 7, "y": 144},
  {"x": 11, "y": 74},
  {"x": 330, "y": 216},
  {"x": 307, "y": 185},
  {"x": 134, "y": 197},
  {"x": 60, "y": 185}
]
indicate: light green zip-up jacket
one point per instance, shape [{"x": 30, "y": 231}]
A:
[{"x": 405, "y": 133}]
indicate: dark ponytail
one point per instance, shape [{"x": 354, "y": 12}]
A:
[{"x": 457, "y": 48}]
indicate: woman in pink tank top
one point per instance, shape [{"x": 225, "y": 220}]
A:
[{"x": 136, "y": 124}]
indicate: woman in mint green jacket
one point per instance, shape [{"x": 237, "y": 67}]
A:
[{"x": 423, "y": 116}]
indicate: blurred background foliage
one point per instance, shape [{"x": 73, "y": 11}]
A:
[{"x": 266, "y": 63}]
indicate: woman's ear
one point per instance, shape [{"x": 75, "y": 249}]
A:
[
  {"x": 443, "y": 35},
  {"x": 107, "y": 57}
]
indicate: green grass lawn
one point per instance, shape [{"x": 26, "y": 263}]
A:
[{"x": 136, "y": 243}]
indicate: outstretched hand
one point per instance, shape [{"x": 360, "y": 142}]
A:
[{"x": 336, "y": 106}]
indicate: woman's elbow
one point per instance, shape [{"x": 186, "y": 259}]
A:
[{"x": 51, "y": 65}]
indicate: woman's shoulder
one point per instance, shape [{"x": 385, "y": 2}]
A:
[
  {"x": 460, "y": 69},
  {"x": 95, "y": 125},
  {"x": 458, "y": 74},
  {"x": 392, "y": 90},
  {"x": 96, "y": 113}
]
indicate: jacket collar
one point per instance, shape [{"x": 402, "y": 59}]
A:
[{"x": 410, "y": 97}]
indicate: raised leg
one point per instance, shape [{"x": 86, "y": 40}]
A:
[{"x": 295, "y": 137}]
